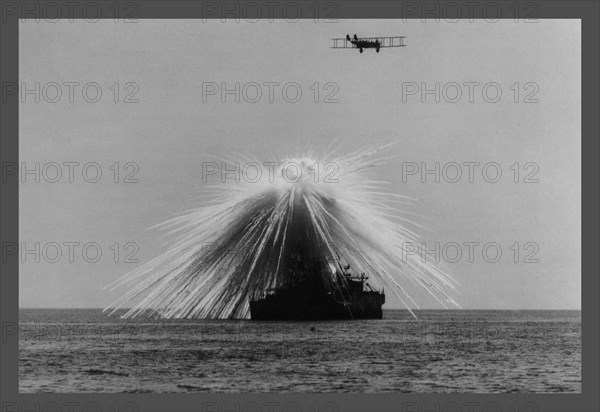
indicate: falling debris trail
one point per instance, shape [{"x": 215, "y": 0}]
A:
[{"x": 249, "y": 235}]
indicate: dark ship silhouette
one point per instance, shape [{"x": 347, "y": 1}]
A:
[
  {"x": 307, "y": 297},
  {"x": 312, "y": 284}
]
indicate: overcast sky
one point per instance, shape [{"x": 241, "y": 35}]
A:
[{"x": 170, "y": 131}]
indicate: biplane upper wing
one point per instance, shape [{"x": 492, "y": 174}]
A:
[
  {"x": 344, "y": 43},
  {"x": 341, "y": 43},
  {"x": 397, "y": 41}
]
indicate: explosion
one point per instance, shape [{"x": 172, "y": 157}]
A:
[{"x": 250, "y": 233}]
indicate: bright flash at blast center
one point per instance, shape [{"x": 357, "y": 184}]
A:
[{"x": 256, "y": 228}]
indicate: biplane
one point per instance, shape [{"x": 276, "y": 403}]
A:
[{"x": 362, "y": 43}]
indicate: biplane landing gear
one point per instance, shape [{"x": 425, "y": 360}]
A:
[
  {"x": 377, "y": 50},
  {"x": 361, "y": 50}
]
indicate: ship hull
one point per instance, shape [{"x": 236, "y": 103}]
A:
[{"x": 317, "y": 307}]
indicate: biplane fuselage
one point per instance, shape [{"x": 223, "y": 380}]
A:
[{"x": 364, "y": 44}]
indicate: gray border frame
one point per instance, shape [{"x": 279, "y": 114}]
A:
[{"x": 587, "y": 401}]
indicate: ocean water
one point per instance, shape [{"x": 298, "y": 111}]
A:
[{"x": 84, "y": 350}]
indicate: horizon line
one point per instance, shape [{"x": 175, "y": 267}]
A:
[{"x": 405, "y": 309}]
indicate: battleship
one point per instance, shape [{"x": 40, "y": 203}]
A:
[
  {"x": 313, "y": 285},
  {"x": 306, "y": 297}
]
